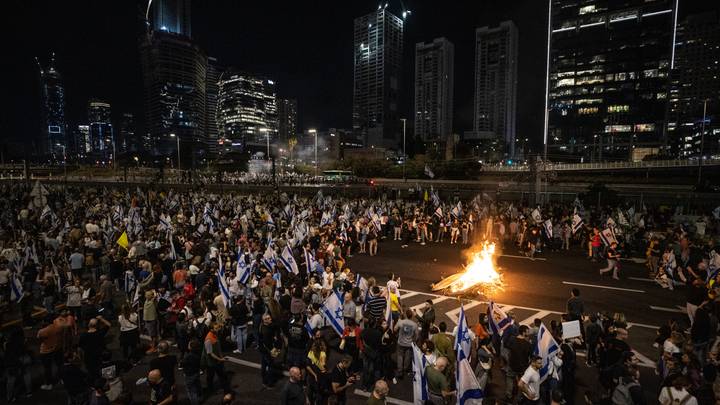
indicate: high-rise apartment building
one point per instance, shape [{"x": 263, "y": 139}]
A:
[
  {"x": 496, "y": 61},
  {"x": 53, "y": 111},
  {"x": 127, "y": 140},
  {"x": 101, "y": 137},
  {"x": 211, "y": 96},
  {"x": 81, "y": 144},
  {"x": 434, "y": 81},
  {"x": 378, "y": 47},
  {"x": 172, "y": 16},
  {"x": 174, "y": 81},
  {"x": 247, "y": 111},
  {"x": 608, "y": 83},
  {"x": 695, "y": 87},
  {"x": 287, "y": 119}
]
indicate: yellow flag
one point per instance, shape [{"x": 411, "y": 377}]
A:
[
  {"x": 427, "y": 198},
  {"x": 123, "y": 240}
]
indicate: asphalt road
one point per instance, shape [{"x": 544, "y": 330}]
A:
[{"x": 533, "y": 288}]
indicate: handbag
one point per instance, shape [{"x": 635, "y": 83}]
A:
[{"x": 342, "y": 344}]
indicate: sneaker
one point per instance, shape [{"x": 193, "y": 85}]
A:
[
  {"x": 422, "y": 244},
  {"x": 394, "y": 380},
  {"x": 236, "y": 351},
  {"x": 46, "y": 387}
]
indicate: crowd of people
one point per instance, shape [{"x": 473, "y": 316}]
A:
[{"x": 220, "y": 275}]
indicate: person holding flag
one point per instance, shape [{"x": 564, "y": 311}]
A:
[{"x": 420, "y": 389}]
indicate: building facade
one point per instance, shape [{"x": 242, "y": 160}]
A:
[
  {"x": 434, "y": 81},
  {"x": 695, "y": 87},
  {"x": 101, "y": 136},
  {"x": 127, "y": 140},
  {"x": 495, "y": 101},
  {"x": 377, "y": 52},
  {"x": 247, "y": 112},
  {"x": 214, "y": 69},
  {"x": 81, "y": 144},
  {"x": 287, "y": 119},
  {"x": 53, "y": 111},
  {"x": 608, "y": 79}
]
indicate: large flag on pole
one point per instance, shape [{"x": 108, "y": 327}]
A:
[
  {"x": 288, "y": 260},
  {"x": 577, "y": 223},
  {"x": 462, "y": 337},
  {"x": 420, "y": 391},
  {"x": 222, "y": 283},
  {"x": 546, "y": 347},
  {"x": 498, "y": 319},
  {"x": 16, "y": 288},
  {"x": 608, "y": 237},
  {"x": 468, "y": 387},
  {"x": 332, "y": 310},
  {"x": 536, "y": 216},
  {"x": 123, "y": 241},
  {"x": 243, "y": 270}
]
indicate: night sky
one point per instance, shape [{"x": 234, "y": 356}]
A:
[{"x": 305, "y": 45}]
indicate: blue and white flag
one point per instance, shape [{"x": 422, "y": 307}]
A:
[
  {"x": 438, "y": 212},
  {"x": 308, "y": 327},
  {"x": 269, "y": 258},
  {"x": 332, "y": 310},
  {"x": 16, "y": 288},
  {"x": 289, "y": 212},
  {"x": 468, "y": 387},
  {"x": 498, "y": 319},
  {"x": 326, "y": 219},
  {"x": 548, "y": 228},
  {"x": 428, "y": 172},
  {"x": 270, "y": 222},
  {"x": 462, "y": 337},
  {"x": 222, "y": 283},
  {"x": 288, "y": 260},
  {"x": 420, "y": 390},
  {"x": 376, "y": 222},
  {"x": 536, "y": 216},
  {"x": 129, "y": 282},
  {"x": 577, "y": 223},
  {"x": 173, "y": 252},
  {"x": 309, "y": 261},
  {"x": 46, "y": 213},
  {"x": 243, "y": 271},
  {"x": 546, "y": 347},
  {"x": 608, "y": 237},
  {"x": 456, "y": 211},
  {"x": 434, "y": 198}
]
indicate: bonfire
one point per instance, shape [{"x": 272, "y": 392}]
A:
[{"x": 480, "y": 276}]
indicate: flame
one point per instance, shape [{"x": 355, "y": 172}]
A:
[{"x": 481, "y": 270}]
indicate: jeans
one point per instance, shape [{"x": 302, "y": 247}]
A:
[
  {"x": 371, "y": 370},
  {"x": 510, "y": 383},
  {"x": 404, "y": 359},
  {"x": 255, "y": 332},
  {"x": 193, "y": 388},
  {"x": 15, "y": 373},
  {"x": 48, "y": 359},
  {"x": 266, "y": 370},
  {"x": 240, "y": 333}
]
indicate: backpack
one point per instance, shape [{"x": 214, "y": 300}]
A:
[
  {"x": 200, "y": 329},
  {"x": 621, "y": 393}
]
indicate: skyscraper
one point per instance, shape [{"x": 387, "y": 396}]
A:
[
  {"x": 53, "y": 110},
  {"x": 434, "y": 80},
  {"x": 101, "y": 137},
  {"x": 247, "y": 112},
  {"x": 695, "y": 87},
  {"x": 287, "y": 119},
  {"x": 496, "y": 60},
  {"x": 172, "y": 16},
  {"x": 608, "y": 83},
  {"x": 378, "y": 47},
  {"x": 127, "y": 140},
  {"x": 174, "y": 81},
  {"x": 211, "y": 96}
]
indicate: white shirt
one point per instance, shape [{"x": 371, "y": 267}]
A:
[
  {"x": 128, "y": 324},
  {"x": 675, "y": 396},
  {"x": 328, "y": 278},
  {"x": 531, "y": 378}
]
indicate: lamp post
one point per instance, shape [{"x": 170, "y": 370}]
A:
[
  {"x": 314, "y": 132},
  {"x": 702, "y": 141},
  {"x": 178, "y": 149},
  {"x": 267, "y": 138},
  {"x": 404, "y": 154}
]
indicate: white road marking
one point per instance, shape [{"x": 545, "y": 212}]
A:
[
  {"x": 408, "y": 295},
  {"x": 642, "y": 325},
  {"x": 666, "y": 309},
  {"x": 531, "y": 319},
  {"x": 542, "y": 259},
  {"x": 647, "y": 280},
  {"x": 604, "y": 286},
  {"x": 435, "y": 301},
  {"x": 454, "y": 315}
]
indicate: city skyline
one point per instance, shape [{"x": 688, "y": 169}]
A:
[{"x": 323, "y": 90}]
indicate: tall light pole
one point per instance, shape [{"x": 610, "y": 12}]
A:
[
  {"x": 267, "y": 138},
  {"x": 702, "y": 140},
  {"x": 314, "y": 132},
  {"x": 177, "y": 137},
  {"x": 404, "y": 120}
]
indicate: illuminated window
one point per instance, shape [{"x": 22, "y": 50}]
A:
[
  {"x": 566, "y": 82},
  {"x": 588, "y": 101},
  {"x": 617, "y": 128},
  {"x": 587, "y": 9},
  {"x": 644, "y": 127},
  {"x": 588, "y": 110},
  {"x": 650, "y": 73},
  {"x": 621, "y": 76},
  {"x": 618, "y": 108}
]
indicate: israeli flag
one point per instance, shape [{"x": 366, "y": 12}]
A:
[
  {"x": 332, "y": 310},
  {"x": 269, "y": 258},
  {"x": 16, "y": 289},
  {"x": 420, "y": 390},
  {"x": 548, "y": 228},
  {"x": 270, "y": 221},
  {"x": 438, "y": 212},
  {"x": 428, "y": 172},
  {"x": 577, "y": 223},
  {"x": 468, "y": 387},
  {"x": 462, "y": 337},
  {"x": 46, "y": 213},
  {"x": 610, "y": 223},
  {"x": 376, "y": 222},
  {"x": 289, "y": 212},
  {"x": 547, "y": 348},
  {"x": 308, "y": 327},
  {"x": 164, "y": 224},
  {"x": 222, "y": 283},
  {"x": 536, "y": 216},
  {"x": 622, "y": 220},
  {"x": 361, "y": 283},
  {"x": 309, "y": 261},
  {"x": 173, "y": 252},
  {"x": 456, "y": 210},
  {"x": 129, "y": 282},
  {"x": 608, "y": 237},
  {"x": 498, "y": 319},
  {"x": 242, "y": 269},
  {"x": 288, "y": 260},
  {"x": 435, "y": 199}
]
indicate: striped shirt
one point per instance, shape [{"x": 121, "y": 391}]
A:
[{"x": 376, "y": 307}]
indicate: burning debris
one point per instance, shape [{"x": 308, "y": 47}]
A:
[{"x": 479, "y": 276}]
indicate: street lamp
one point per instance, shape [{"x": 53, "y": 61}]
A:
[
  {"x": 314, "y": 132},
  {"x": 267, "y": 135},
  {"x": 178, "y": 149},
  {"x": 404, "y": 120}
]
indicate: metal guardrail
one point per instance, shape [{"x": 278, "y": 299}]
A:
[{"x": 606, "y": 165}]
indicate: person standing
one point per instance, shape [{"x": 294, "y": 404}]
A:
[
  {"x": 191, "y": 370},
  {"x": 50, "y": 338},
  {"x": 529, "y": 383},
  {"x": 519, "y": 349},
  {"x": 407, "y": 333},
  {"x": 165, "y": 363},
  {"x": 162, "y": 391},
  {"x": 129, "y": 333},
  {"x": 341, "y": 380},
  {"x": 269, "y": 339},
  {"x": 74, "y": 380},
  {"x": 213, "y": 358},
  {"x": 293, "y": 392},
  {"x": 92, "y": 344},
  {"x": 240, "y": 317},
  {"x": 437, "y": 383},
  {"x": 74, "y": 293}
]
